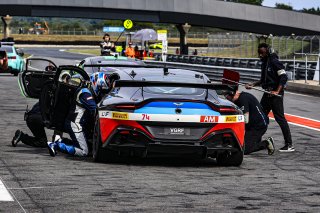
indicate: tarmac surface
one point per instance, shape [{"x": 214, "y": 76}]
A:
[{"x": 40, "y": 183}]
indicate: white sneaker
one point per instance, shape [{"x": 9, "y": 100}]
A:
[{"x": 57, "y": 138}]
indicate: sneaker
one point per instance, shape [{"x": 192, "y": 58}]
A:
[
  {"x": 287, "y": 148},
  {"x": 57, "y": 138},
  {"x": 16, "y": 138},
  {"x": 270, "y": 146},
  {"x": 52, "y": 148}
]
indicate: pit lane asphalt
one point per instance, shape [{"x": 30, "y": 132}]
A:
[{"x": 40, "y": 183}]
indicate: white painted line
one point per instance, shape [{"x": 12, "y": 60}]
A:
[
  {"x": 34, "y": 187},
  {"x": 4, "y": 193},
  {"x": 302, "y": 117}
]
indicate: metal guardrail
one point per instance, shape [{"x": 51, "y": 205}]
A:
[
  {"x": 296, "y": 69},
  {"x": 306, "y": 66}
]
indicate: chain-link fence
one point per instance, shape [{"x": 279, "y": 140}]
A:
[{"x": 244, "y": 45}]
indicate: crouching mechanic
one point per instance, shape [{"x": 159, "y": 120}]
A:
[
  {"x": 35, "y": 123},
  {"x": 81, "y": 112},
  {"x": 256, "y": 122}
]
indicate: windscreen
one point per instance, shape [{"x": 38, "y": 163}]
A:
[
  {"x": 174, "y": 90},
  {"x": 8, "y": 49}
]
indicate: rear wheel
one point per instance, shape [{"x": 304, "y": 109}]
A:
[
  {"x": 96, "y": 142},
  {"x": 98, "y": 153},
  {"x": 230, "y": 158}
]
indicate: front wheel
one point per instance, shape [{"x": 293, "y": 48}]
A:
[{"x": 230, "y": 158}]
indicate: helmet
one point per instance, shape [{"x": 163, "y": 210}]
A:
[{"x": 100, "y": 81}]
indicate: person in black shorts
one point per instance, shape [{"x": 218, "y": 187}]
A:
[{"x": 256, "y": 122}]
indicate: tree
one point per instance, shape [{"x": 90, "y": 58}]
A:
[
  {"x": 312, "y": 10},
  {"x": 255, "y": 2},
  {"x": 284, "y": 6}
]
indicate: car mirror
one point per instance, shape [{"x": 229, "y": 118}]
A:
[{"x": 20, "y": 52}]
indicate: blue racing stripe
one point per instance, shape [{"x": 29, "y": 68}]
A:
[{"x": 187, "y": 108}]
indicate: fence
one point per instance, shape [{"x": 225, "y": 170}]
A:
[
  {"x": 173, "y": 34},
  {"x": 296, "y": 69},
  {"x": 307, "y": 66},
  {"x": 245, "y": 45}
]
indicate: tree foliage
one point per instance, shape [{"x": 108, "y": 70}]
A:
[
  {"x": 284, "y": 6},
  {"x": 255, "y": 2},
  {"x": 315, "y": 11}
]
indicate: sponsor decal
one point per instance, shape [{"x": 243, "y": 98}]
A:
[
  {"x": 104, "y": 114},
  {"x": 145, "y": 117},
  {"x": 209, "y": 119},
  {"x": 120, "y": 115},
  {"x": 176, "y": 131},
  {"x": 230, "y": 119}
]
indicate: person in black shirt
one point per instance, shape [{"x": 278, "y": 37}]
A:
[
  {"x": 273, "y": 79},
  {"x": 107, "y": 46},
  {"x": 256, "y": 122},
  {"x": 35, "y": 123}
]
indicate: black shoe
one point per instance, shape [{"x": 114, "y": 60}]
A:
[
  {"x": 270, "y": 145},
  {"x": 16, "y": 138},
  {"x": 287, "y": 148},
  {"x": 52, "y": 148}
]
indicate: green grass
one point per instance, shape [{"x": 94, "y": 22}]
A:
[{"x": 84, "y": 51}]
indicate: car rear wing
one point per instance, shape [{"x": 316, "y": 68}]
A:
[
  {"x": 6, "y": 43},
  {"x": 219, "y": 88},
  {"x": 129, "y": 83}
]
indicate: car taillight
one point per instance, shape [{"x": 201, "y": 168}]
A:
[
  {"x": 125, "y": 107},
  {"x": 12, "y": 57},
  {"x": 227, "y": 109}
]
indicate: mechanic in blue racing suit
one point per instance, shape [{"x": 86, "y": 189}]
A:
[{"x": 81, "y": 112}]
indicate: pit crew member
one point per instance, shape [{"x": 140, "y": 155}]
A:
[
  {"x": 256, "y": 122},
  {"x": 35, "y": 123},
  {"x": 80, "y": 114},
  {"x": 273, "y": 79}
]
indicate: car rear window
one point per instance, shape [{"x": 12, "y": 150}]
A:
[
  {"x": 174, "y": 90},
  {"x": 8, "y": 49}
]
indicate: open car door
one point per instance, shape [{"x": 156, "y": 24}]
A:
[
  {"x": 57, "y": 98},
  {"x": 38, "y": 72}
]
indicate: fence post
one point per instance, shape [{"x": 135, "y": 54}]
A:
[
  {"x": 306, "y": 72},
  {"x": 319, "y": 66},
  {"x": 294, "y": 66}
]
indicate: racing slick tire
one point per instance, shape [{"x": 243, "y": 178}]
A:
[
  {"x": 98, "y": 153},
  {"x": 96, "y": 142},
  {"x": 230, "y": 158}
]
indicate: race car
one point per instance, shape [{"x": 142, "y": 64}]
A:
[
  {"x": 95, "y": 63},
  {"x": 15, "y": 61},
  {"x": 149, "y": 111}
]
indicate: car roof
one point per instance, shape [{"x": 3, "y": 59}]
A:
[{"x": 113, "y": 60}]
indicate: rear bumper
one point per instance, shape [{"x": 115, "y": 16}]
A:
[{"x": 130, "y": 141}]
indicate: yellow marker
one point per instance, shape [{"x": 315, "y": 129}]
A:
[
  {"x": 120, "y": 115},
  {"x": 231, "y": 119},
  {"x": 128, "y": 24}
]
